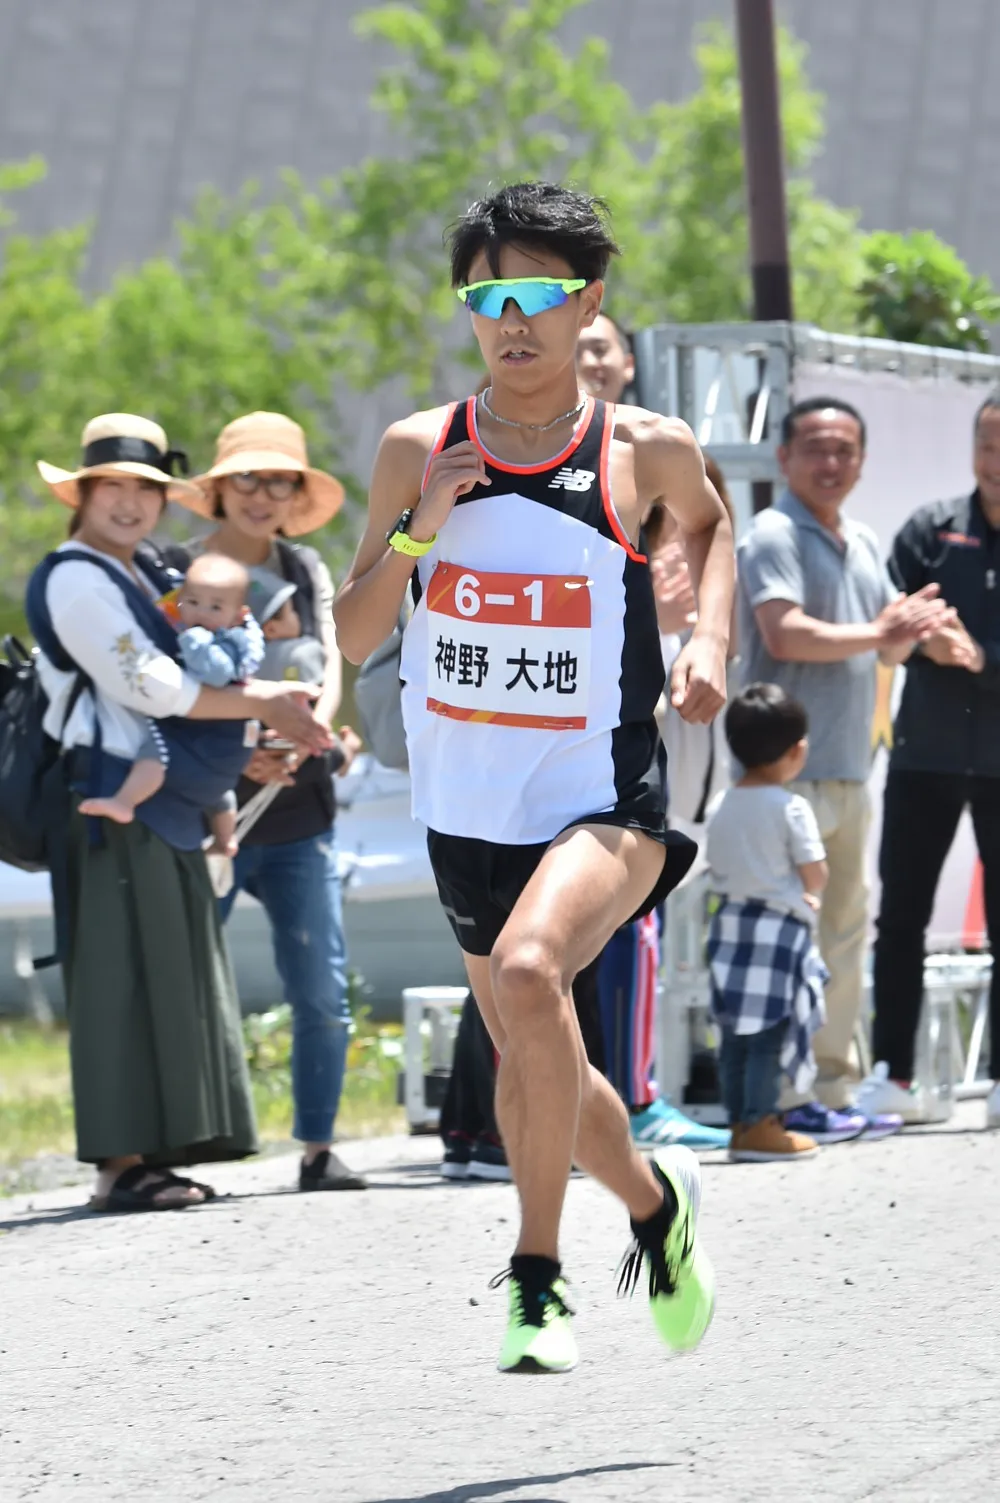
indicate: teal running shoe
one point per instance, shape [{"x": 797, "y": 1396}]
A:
[
  {"x": 662, "y": 1123},
  {"x": 681, "y": 1280},
  {"x": 539, "y": 1336}
]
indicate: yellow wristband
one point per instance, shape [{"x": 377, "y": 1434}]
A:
[{"x": 403, "y": 543}]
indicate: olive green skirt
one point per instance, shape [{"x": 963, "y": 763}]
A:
[{"x": 155, "y": 1040}]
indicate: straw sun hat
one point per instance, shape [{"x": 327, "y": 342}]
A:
[
  {"x": 121, "y": 443},
  {"x": 271, "y": 441}
]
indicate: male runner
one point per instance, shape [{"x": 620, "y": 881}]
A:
[{"x": 531, "y": 671}]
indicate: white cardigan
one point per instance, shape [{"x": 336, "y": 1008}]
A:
[{"x": 133, "y": 679}]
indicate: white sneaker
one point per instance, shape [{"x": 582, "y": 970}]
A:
[
  {"x": 878, "y": 1096},
  {"x": 993, "y": 1107}
]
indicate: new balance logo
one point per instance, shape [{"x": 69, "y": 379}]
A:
[{"x": 572, "y": 480}]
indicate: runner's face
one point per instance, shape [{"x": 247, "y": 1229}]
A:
[
  {"x": 119, "y": 512},
  {"x": 525, "y": 353},
  {"x": 258, "y": 515},
  {"x": 603, "y": 364}
]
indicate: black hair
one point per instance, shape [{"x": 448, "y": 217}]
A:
[
  {"x": 763, "y": 723},
  {"x": 991, "y": 404},
  {"x": 538, "y": 216},
  {"x": 820, "y": 404},
  {"x": 82, "y": 492}
]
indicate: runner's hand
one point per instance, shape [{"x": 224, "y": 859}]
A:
[
  {"x": 698, "y": 680},
  {"x": 452, "y": 473}
]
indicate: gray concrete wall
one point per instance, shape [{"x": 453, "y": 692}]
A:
[{"x": 137, "y": 104}]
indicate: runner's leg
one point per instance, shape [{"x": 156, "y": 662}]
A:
[{"x": 552, "y": 1107}]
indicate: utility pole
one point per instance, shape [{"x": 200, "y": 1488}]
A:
[{"x": 764, "y": 168}]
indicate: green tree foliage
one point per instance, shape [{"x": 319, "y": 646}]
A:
[
  {"x": 485, "y": 92},
  {"x": 45, "y": 326},
  {"x": 192, "y": 341},
  {"x": 918, "y": 290}
]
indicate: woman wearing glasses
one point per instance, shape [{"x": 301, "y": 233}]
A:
[{"x": 261, "y": 491}]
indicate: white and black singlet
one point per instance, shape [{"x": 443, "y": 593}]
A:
[{"x": 531, "y": 669}]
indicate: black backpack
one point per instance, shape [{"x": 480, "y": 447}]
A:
[{"x": 32, "y": 784}]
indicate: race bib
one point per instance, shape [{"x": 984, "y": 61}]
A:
[{"x": 509, "y": 649}]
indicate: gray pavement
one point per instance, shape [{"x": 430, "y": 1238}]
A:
[{"x": 341, "y": 1348}]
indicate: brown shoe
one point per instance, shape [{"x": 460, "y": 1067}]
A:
[
  {"x": 768, "y": 1141},
  {"x": 736, "y": 1131}
]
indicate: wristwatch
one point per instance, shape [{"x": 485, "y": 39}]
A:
[{"x": 398, "y": 537}]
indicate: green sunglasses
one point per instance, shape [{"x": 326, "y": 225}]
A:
[{"x": 531, "y": 294}]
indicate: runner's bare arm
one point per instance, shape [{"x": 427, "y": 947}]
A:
[
  {"x": 368, "y": 604},
  {"x": 670, "y": 469}
]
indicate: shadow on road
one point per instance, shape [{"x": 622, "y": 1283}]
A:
[
  {"x": 56, "y": 1217},
  {"x": 471, "y": 1492}
]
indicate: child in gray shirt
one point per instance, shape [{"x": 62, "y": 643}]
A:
[{"x": 767, "y": 868}]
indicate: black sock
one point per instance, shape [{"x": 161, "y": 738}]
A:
[
  {"x": 661, "y": 1221},
  {"x": 527, "y": 1268}
]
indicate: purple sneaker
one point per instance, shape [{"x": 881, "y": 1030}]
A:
[
  {"x": 825, "y": 1125},
  {"x": 882, "y": 1125}
]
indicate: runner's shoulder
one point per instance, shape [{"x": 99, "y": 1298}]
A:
[
  {"x": 415, "y": 435},
  {"x": 406, "y": 447},
  {"x": 652, "y": 431},
  {"x": 664, "y": 450}
]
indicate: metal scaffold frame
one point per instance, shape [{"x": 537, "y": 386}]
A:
[{"x": 724, "y": 376}]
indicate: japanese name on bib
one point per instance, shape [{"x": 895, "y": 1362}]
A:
[{"x": 509, "y": 649}]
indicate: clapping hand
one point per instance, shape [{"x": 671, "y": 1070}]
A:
[
  {"x": 915, "y": 618},
  {"x": 676, "y": 608},
  {"x": 953, "y": 647}
]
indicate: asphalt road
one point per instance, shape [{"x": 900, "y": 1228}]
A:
[{"x": 341, "y": 1348}]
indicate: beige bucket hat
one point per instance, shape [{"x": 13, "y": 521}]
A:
[
  {"x": 121, "y": 443},
  {"x": 271, "y": 441}
]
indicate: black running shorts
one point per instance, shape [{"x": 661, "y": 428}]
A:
[{"x": 479, "y": 881}]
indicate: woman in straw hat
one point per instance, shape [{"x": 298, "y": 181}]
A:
[
  {"x": 262, "y": 491},
  {"x": 159, "y": 1077}
]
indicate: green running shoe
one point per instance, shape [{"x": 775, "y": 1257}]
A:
[
  {"x": 539, "y": 1336},
  {"x": 681, "y": 1281}
]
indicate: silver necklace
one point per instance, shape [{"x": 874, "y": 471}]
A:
[{"x": 574, "y": 412}]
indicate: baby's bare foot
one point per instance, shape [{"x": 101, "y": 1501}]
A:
[{"x": 108, "y": 808}]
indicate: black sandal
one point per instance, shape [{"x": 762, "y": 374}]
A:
[
  {"x": 125, "y": 1194},
  {"x": 189, "y": 1184}
]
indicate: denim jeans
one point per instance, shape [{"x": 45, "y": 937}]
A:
[
  {"x": 750, "y": 1069},
  {"x": 299, "y": 887}
]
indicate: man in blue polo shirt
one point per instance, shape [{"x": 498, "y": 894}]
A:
[{"x": 817, "y": 612}]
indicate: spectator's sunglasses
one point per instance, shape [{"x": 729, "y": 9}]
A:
[
  {"x": 278, "y": 487},
  {"x": 531, "y": 294}
]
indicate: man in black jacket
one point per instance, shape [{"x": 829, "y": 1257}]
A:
[{"x": 946, "y": 756}]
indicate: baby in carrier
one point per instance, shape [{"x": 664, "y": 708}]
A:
[
  {"x": 287, "y": 653},
  {"x": 220, "y": 643}
]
